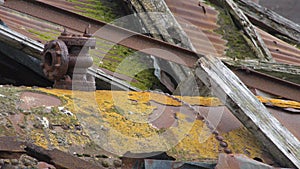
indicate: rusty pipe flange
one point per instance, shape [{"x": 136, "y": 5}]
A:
[{"x": 55, "y": 60}]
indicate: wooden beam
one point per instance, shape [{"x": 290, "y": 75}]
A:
[
  {"x": 21, "y": 42},
  {"x": 277, "y": 67},
  {"x": 281, "y": 143},
  {"x": 270, "y": 21},
  {"x": 258, "y": 44}
]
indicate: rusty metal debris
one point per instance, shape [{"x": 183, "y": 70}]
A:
[
  {"x": 108, "y": 32},
  {"x": 158, "y": 164},
  {"x": 209, "y": 124},
  {"x": 58, "y": 65},
  {"x": 11, "y": 147},
  {"x": 187, "y": 57},
  {"x": 268, "y": 83},
  {"x": 238, "y": 161},
  {"x": 66, "y": 61}
]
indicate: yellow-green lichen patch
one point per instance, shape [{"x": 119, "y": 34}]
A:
[
  {"x": 201, "y": 101},
  {"x": 241, "y": 141},
  {"x": 279, "y": 102},
  {"x": 8, "y": 101},
  {"x": 200, "y": 144},
  {"x": 115, "y": 120}
]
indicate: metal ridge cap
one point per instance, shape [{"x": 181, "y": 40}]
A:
[{"x": 16, "y": 36}]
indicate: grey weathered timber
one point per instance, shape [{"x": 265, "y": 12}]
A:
[
  {"x": 158, "y": 21},
  {"x": 277, "y": 78},
  {"x": 281, "y": 143},
  {"x": 258, "y": 44},
  {"x": 21, "y": 49},
  {"x": 265, "y": 66},
  {"x": 21, "y": 42},
  {"x": 270, "y": 21}
]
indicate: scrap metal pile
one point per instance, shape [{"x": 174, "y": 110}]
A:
[{"x": 67, "y": 62}]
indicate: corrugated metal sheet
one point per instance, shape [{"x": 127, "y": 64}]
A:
[
  {"x": 29, "y": 26},
  {"x": 44, "y": 31},
  {"x": 280, "y": 50},
  {"x": 199, "y": 25},
  {"x": 206, "y": 41}
]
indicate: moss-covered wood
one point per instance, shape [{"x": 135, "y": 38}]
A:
[
  {"x": 237, "y": 47},
  {"x": 271, "y": 21}
]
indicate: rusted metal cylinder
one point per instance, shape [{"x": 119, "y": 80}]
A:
[{"x": 66, "y": 61}]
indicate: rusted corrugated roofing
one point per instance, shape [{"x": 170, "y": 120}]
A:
[
  {"x": 32, "y": 27},
  {"x": 199, "y": 25},
  {"x": 280, "y": 50},
  {"x": 204, "y": 21},
  {"x": 106, "y": 54}
]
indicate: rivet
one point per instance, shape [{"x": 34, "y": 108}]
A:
[
  {"x": 219, "y": 138},
  {"x": 223, "y": 144}
]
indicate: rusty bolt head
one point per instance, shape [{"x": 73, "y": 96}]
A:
[
  {"x": 227, "y": 151},
  {"x": 199, "y": 117},
  {"x": 64, "y": 33},
  {"x": 215, "y": 132},
  {"x": 219, "y": 138},
  {"x": 223, "y": 144}
]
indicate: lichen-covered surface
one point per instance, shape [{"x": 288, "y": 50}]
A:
[{"x": 109, "y": 124}]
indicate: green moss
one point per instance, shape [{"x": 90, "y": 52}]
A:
[
  {"x": 115, "y": 55},
  {"x": 94, "y": 9},
  {"x": 236, "y": 43},
  {"x": 46, "y": 36}
]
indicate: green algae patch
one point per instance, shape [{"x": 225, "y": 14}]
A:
[
  {"x": 94, "y": 9},
  {"x": 108, "y": 55},
  {"x": 121, "y": 60},
  {"x": 44, "y": 35},
  {"x": 237, "y": 46}
]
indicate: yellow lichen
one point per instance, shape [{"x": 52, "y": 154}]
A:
[
  {"x": 121, "y": 119},
  {"x": 280, "y": 103},
  {"x": 39, "y": 138},
  {"x": 243, "y": 142},
  {"x": 201, "y": 101}
]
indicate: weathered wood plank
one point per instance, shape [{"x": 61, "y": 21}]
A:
[
  {"x": 270, "y": 21},
  {"x": 265, "y": 66},
  {"x": 281, "y": 143},
  {"x": 21, "y": 42},
  {"x": 258, "y": 44}
]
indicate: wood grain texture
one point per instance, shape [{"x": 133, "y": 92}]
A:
[
  {"x": 257, "y": 43},
  {"x": 270, "y": 21},
  {"x": 281, "y": 143}
]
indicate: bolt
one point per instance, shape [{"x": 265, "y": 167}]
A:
[
  {"x": 223, "y": 144},
  {"x": 64, "y": 33},
  {"x": 87, "y": 32},
  {"x": 227, "y": 151},
  {"x": 219, "y": 138},
  {"x": 215, "y": 132}
]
